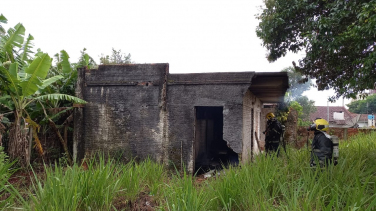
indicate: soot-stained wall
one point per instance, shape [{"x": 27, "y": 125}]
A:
[
  {"x": 123, "y": 113},
  {"x": 187, "y": 91},
  {"x": 140, "y": 110}
]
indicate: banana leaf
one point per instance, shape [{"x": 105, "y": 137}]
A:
[
  {"x": 26, "y": 49},
  {"x": 61, "y": 97},
  {"x": 37, "y": 70},
  {"x": 14, "y": 38},
  {"x": 12, "y": 78},
  {"x": 65, "y": 62}
]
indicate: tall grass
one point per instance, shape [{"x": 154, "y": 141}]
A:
[
  {"x": 278, "y": 183},
  {"x": 94, "y": 188},
  {"x": 272, "y": 183},
  {"x": 181, "y": 194},
  {"x": 267, "y": 183},
  {"x": 74, "y": 188},
  {"x": 6, "y": 198}
]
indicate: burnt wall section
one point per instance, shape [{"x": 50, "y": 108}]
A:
[
  {"x": 187, "y": 91},
  {"x": 78, "y": 122},
  {"x": 125, "y": 110}
]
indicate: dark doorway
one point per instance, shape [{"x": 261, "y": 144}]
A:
[{"x": 211, "y": 151}]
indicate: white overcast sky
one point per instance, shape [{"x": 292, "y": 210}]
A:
[{"x": 192, "y": 36}]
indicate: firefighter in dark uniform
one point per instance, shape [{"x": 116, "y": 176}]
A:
[
  {"x": 322, "y": 145},
  {"x": 273, "y": 134}
]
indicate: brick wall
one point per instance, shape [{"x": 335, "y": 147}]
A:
[{"x": 342, "y": 133}]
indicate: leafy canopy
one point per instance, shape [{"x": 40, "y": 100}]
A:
[
  {"x": 366, "y": 106},
  {"x": 23, "y": 77},
  {"x": 308, "y": 108},
  {"x": 117, "y": 57},
  {"x": 337, "y": 36}
]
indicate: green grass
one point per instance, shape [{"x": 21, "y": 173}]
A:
[
  {"x": 6, "y": 198},
  {"x": 267, "y": 183}
]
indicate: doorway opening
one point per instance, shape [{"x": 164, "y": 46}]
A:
[{"x": 211, "y": 151}]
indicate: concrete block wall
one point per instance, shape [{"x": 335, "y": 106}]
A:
[
  {"x": 123, "y": 110},
  {"x": 143, "y": 111},
  {"x": 186, "y": 91},
  {"x": 248, "y": 133}
]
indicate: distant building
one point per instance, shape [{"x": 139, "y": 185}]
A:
[
  {"x": 363, "y": 120},
  {"x": 372, "y": 91},
  {"x": 337, "y": 116}
]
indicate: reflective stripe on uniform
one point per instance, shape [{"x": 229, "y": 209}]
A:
[
  {"x": 272, "y": 142},
  {"x": 317, "y": 150}
]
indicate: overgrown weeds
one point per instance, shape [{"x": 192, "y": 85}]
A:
[{"x": 267, "y": 183}]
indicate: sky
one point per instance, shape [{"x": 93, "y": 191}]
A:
[{"x": 192, "y": 36}]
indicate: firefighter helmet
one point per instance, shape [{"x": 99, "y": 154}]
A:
[
  {"x": 320, "y": 124},
  {"x": 270, "y": 115}
]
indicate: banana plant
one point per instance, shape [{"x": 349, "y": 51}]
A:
[
  {"x": 24, "y": 78},
  {"x": 3, "y": 19}
]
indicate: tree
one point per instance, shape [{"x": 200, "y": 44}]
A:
[
  {"x": 366, "y": 106},
  {"x": 337, "y": 36},
  {"x": 297, "y": 82},
  {"x": 308, "y": 108},
  {"x": 116, "y": 58},
  {"x": 24, "y": 79},
  {"x": 85, "y": 61}
]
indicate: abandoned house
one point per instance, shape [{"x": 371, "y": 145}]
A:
[{"x": 190, "y": 120}]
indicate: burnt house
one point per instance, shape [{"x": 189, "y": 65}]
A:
[{"x": 190, "y": 120}]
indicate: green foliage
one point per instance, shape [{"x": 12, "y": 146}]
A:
[
  {"x": 282, "y": 112},
  {"x": 180, "y": 194},
  {"x": 85, "y": 61},
  {"x": 338, "y": 38},
  {"x": 366, "y": 106},
  {"x": 308, "y": 107},
  {"x": 5, "y": 172},
  {"x": 297, "y": 107},
  {"x": 68, "y": 74},
  {"x": 2, "y": 20},
  {"x": 268, "y": 183},
  {"x": 61, "y": 97},
  {"x": 24, "y": 81},
  {"x": 94, "y": 187},
  {"x": 12, "y": 39},
  {"x": 303, "y": 115},
  {"x": 116, "y": 58},
  {"x": 36, "y": 72}
]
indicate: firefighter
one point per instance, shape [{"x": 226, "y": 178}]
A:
[
  {"x": 322, "y": 144},
  {"x": 273, "y": 134}
]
